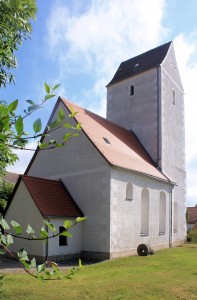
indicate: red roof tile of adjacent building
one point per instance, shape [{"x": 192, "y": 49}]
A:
[
  {"x": 51, "y": 197},
  {"x": 192, "y": 215},
  {"x": 119, "y": 146},
  {"x": 11, "y": 177}
]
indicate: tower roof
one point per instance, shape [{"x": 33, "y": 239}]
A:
[{"x": 140, "y": 63}]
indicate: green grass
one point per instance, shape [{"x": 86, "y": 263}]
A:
[{"x": 168, "y": 274}]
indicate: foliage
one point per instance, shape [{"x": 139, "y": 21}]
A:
[
  {"x": 6, "y": 189},
  {"x": 16, "y": 16},
  {"x": 41, "y": 272},
  {"x": 192, "y": 236},
  {"x": 12, "y": 128}
]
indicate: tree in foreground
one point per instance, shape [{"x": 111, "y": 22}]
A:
[
  {"x": 15, "y": 27},
  {"x": 16, "y": 17}
]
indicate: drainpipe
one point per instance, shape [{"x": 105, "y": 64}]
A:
[
  {"x": 47, "y": 243},
  {"x": 170, "y": 219}
]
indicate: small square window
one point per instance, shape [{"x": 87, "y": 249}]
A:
[
  {"x": 62, "y": 239},
  {"x": 131, "y": 90}
]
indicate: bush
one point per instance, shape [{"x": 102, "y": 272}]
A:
[{"x": 192, "y": 236}]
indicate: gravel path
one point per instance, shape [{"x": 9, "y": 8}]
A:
[{"x": 9, "y": 265}]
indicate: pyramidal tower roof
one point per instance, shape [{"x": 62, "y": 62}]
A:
[{"x": 141, "y": 63}]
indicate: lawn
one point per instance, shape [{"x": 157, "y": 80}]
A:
[{"x": 168, "y": 274}]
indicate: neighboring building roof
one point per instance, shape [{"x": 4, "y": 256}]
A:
[
  {"x": 119, "y": 146},
  {"x": 192, "y": 215},
  {"x": 51, "y": 197},
  {"x": 140, "y": 63},
  {"x": 11, "y": 177}
]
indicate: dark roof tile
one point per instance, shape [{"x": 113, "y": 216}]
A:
[{"x": 140, "y": 63}]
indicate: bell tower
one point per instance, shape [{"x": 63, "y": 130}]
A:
[{"x": 146, "y": 96}]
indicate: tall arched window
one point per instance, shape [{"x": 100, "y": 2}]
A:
[
  {"x": 175, "y": 217},
  {"x": 129, "y": 191},
  {"x": 162, "y": 213},
  {"x": 145, "y": 212}
]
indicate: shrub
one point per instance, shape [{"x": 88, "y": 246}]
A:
[{"x": 192, "y": 236}]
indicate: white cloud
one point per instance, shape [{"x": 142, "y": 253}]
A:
[
  {"x": 24, "y": 159},
  {"x": 94, "y": 42},
  {"x": 186, "y": 47},
  {"x": 105, "y": 34}
]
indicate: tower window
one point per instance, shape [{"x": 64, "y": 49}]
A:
[
  {"x": 173, "y": 97},
  {"x": 131, "y": 90}
]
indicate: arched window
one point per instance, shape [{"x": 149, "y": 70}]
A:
[
  {"x": 145, "y": 212},
  {"x": 175, "y": 217},
  {"x": 162, "y": 213},
  {"x": 129, "y": 191}
]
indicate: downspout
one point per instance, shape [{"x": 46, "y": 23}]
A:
[
  {"x": 47, "y": 243},
  {"x": 170, "y": 219}
]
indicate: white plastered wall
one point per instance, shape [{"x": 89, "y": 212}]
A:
[
  {"x": 73, "y": 244},
  {"x": 23, "y": 210},
  {"x": 86, "y": 175},
  {"x": 126, "y": 214}
]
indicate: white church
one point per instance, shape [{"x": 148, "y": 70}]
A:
[{"x": 126, "y": 173}]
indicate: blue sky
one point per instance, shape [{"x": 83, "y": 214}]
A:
[{"x": 80, "y": 44}]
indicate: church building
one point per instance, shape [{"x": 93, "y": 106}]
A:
[{"x": 125, "y": 172}]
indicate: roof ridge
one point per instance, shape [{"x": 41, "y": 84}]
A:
[
  {"x": 93, "y": 113},
  {"x": 165, "y": 44},
  {"x": 39, "y": 178}
]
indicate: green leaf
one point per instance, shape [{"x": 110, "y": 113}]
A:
[
  {"x": 40, "y": 277},
  {"x": 22, "y": 255},
  {"x": 30, "y": 230},
  {"x": 80, "y": 264},
  {"x": 31, "y": 102},
  {"x": 61, "y": 115},
  {"x": 53, "y": 125},
  {"x": 67, "y": 224},
  {"x": 41, "y": 268},
  {"x": 4, "y": 224},
  {"x": 67, "y": 125},
  {"x": 80, "y": 219},
  {"x": 9, "y": 239},
  {"x": 47, "y": 88},
  {"x": 66, "y": 233},
  {"x": 43, "y": 233},
  {"x": 49, "y": 96},
  {"x": 51, "y": 226},
  {"x": 33, "y": 263},
  {"x": 67, "y": 137},
  {"x": 37, "y": 126},
  {"x": 16, "y": 226},
  {"x": 31, "y": 108},
  {"x": 3, "y": 239},
  {"x": 55, "y": 87},
  {"x": 78, "y": 127},
  {"x": 13, "y": 106},
  {"x": 43, "y": 145},
  {"x": 19, "y": 125}
]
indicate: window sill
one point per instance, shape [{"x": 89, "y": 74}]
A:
[
  {"x": 144, "y": 234},
  {"x": 161, "y": 233}
]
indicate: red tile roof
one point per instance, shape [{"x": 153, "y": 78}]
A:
[
  {"x": 192, "y": 215},
  {"x": 119, "y": 146},
  {"x": 51, "y": 197},
  {"x": 11, "y": 177}
]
